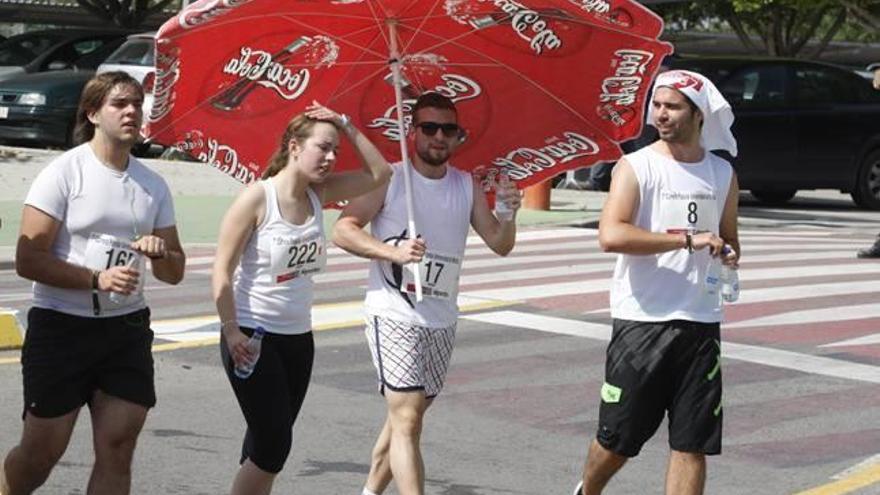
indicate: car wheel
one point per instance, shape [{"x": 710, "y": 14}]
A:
[
  {"x": 867, "y": 191},
  {"x": 773, "y": 196}
]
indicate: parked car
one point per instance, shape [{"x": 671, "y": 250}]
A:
[
  {"x": 799, "y": 125},
  {"x": 40, "y": 108},
  {"x": 57, "y": 49},
  {"x": 137, "y": 57}
]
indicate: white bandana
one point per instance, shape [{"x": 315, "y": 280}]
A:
[{"x": 717, "y": 114}]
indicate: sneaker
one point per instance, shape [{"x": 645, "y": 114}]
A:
[
  {"x": 578, "y": 490},
  {"x": 871, "y": 252}
]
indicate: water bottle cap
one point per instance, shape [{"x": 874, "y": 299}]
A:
[{"x": 260, "y": 331}]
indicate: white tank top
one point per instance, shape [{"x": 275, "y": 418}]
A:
[
  {"x": 674, "y": 197},
  {"x": 442, "y": 217},
  {"x": 273, "y": 282}
]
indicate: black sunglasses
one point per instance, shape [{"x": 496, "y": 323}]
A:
[{"x": 430, "y": 129}]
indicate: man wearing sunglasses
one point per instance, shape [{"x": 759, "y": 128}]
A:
[{"x": 411, "y": 341}]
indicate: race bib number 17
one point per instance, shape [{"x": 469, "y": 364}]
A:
[{"x": 439, "y": 274}]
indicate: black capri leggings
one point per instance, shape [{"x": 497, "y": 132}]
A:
[{"x": 272, "y": 396}]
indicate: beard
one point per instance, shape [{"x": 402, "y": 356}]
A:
[
  {"x": 682, "y": 133},
  {"x": 433, "y": 158}
]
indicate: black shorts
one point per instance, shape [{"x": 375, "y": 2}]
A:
[
  {"x": 653, "y": 368},
  {"x": 272, "y": 396},
  {"x": 65, "y": 358}
]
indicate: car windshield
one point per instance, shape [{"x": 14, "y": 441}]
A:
[
  {"x": 96, "y": 54},
  {"x": 19, "y": 50},
  {"x": 133, "y": 52}
]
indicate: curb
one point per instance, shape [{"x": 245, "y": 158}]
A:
[{"x": 10, "y": 330}]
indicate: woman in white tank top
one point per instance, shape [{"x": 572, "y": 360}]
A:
[{"x": 271, "y": 242}]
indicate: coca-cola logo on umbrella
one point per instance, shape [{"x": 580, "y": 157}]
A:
[
  {"x": 261, "y": 65},
  {"x": 535, "y": 31},
  {"x": 620, "y": 91},
  {"x": 429, "y": 73}
]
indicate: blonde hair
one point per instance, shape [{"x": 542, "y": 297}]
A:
[{"x": 299, "y": 129}]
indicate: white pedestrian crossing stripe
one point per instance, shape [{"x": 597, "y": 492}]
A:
[
  {"x": 754, "y": 354},
  {"x": 568, "y": 265}
]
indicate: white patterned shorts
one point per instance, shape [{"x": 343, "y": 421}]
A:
[{"x": 409, "y": 357}]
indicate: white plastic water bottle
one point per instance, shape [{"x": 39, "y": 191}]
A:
[
  {"x": 254, "y": 344},
  {"x": 729, "y": 279},
  {"x": 119, "y": 298},
  {"x": 729, "y": 284},
  {"x": 502, "y": 211},
  {"x": 712, "y": 282}
]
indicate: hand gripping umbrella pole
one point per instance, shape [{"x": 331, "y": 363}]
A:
[{"x": 394, "y": 61}]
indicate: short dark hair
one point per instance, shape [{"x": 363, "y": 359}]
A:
[
  {"x": 432, "y": 99},
  {"x": 93, "y": 97}
]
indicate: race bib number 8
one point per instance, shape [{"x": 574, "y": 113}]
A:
[
  {"x": 439, "y": 274},
  {"x": 688, "y": 212},
  {"x": 295, "y": 257}
]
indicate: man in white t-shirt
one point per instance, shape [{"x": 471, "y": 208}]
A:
[
  {"x": 670, "y": 212},
  {"x": 411, "y": 341},
  {"x": 91, "y": 219}
]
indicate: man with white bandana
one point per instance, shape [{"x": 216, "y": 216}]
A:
[{"x": 670, "y": 212}]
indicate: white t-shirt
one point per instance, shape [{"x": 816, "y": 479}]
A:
[
  {"x": 442, "y": 210},
  {"x": 273, "y": 285},
  {"x": 674, "y": 197},
  {"x": 110, "y": 208}
]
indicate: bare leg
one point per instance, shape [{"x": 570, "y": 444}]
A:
[
  {"x": 43, "y": 442},
  {"x": 116, "y": 424},
  {"x": 686, "y": 474},
  {"x": 601, "y": 465},
  {"x": 405, "y": 413},
  {"x": 251, "y": 480},
  {"x": 380, "y": 466}
]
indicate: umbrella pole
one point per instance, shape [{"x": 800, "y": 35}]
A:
[{"x": 404, "y": 153}]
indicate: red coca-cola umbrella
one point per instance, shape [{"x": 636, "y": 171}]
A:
[{"x": 542, "y": 86}]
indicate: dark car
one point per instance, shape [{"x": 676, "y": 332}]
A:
[
  {"x": 56, "y": 49},
  {"x": 799, "y": 125},
  {"x": 40, "y": 108}
]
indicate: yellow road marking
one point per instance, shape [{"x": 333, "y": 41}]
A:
[
  {"x": 209, "y": 341},
  {"x": 857, "y": 480},
  {"x": 10, "y": 331},
  {"x": 171, "y": 346}
]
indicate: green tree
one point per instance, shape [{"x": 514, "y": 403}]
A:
[
  {"x": 865, "y": 15},
  {"x": 124, "y": 13},
  {"x": 784, "y": 27}
]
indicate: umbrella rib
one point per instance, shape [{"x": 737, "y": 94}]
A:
[
  {"x": 380, "y": 26},
  {"x": 575, "y": 19},
  {"x": 341, "y": 81},
  {"x": 351, "y": 87},
  {"x": 421, "y": 25},
  {"x": 344, "y": 40},
  {"x": 527, "y": 80}
]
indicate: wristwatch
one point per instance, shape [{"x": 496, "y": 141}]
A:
[{"x": 346, "y": 122}]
